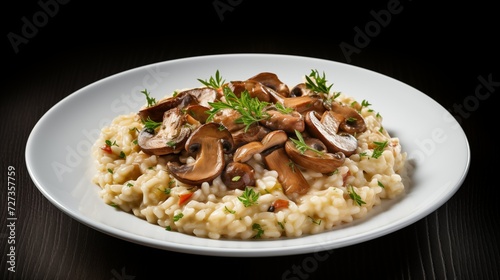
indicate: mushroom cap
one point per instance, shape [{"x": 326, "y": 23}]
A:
[
  {"x": 208, "y": 144},
  {"x": 353, "y": 122},
  {"x": 247, "y": 151},
  {"x": 327, "y": 131},
  {"x": 169, "y": 139},
  {"x": 238, "y": 175},
  {"x": 281, "y": 121},
  {"x": 323, "y": 163},
  {"x": 271, "y": 80}
]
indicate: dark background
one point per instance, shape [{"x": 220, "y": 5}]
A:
[{"x": 439, "y": 49}]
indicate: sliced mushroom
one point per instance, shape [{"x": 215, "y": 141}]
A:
[
  {"x": 247, "y": 151},
  {"x": 254, "y": 89},
  {"x": 278, "y": 120},
  {"x": 198, "y": 112},
  {"x": 207, "y": 144},
  {"x": 271, "y": 80},
  {"x": 156, "y": 112},
  {"x": 290, "y": 177},
  {"x": 203, "y": 95},
  {"x": 238, "y": 175},
  {"x": 303, "y": 104},
  {"x": 318, "y": 160},
  {"x": 327, "y": 131},
  {"x": 353, "y": 121},
  {"x": 169, "y": 139},
  {"x": 253, "y": 133},
  {"x": 301, "y": 90}
]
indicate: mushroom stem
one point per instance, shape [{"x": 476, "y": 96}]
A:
[{"x": 289, "y": 175}]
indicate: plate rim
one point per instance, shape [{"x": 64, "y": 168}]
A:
[{"x": 234, "y": 252}]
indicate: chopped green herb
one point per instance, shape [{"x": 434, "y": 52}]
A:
[
  {"x": 259, "y": 230},
  {"x": 150, "y": 124},
  {"x": 214, "y": 83},
  {"x": 302, "y": 146},
  {"x": 354, "y": 196},
  {"x": 318, "y": 221},
  {"x": 282, "y": 109},
  {"x": 250, "y": 109},
  {"x": 109, "y": 143},
  {"x": 365, "y": 103},
  {"x": 130, "y": 185},
  {"x": 135, "y": 142},
  {"x": 178, "y": 217},
  {"x": 380, "y": 146},
  {"x": 110, "y": 170},
  {"x": 282, "y": 226},
  {"x": 169, "y": 228},
  {"x": 150, "y": 100},
  {"x": 229, "y": 210},
  {"x": 236, "y": 178},
  {"x": 380, "y": 184},
  {"x": 317, "y": 83},
  {"x": 249, "y": 197},
  {"x": 122, "y": 154}
]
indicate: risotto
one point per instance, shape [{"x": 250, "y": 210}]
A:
[{"x": 250, "y": 159}]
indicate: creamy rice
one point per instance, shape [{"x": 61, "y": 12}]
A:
[{"x": 139, "y": 183}]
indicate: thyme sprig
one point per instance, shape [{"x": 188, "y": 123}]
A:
[
  {"x": 301, "y": 145},
  {"x": 250, "y": 109},
  {"x": 212, "y": 82},
  {"x": 151, "y": 101},
  {"x": 249, "y": 197},
  {"x": 150, "y": 124},
  {"x": 317, "y": 83}
]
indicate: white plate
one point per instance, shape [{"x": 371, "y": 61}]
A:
[{"x": 59, "y": 162}]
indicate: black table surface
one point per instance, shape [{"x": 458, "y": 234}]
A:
[{"x": 449, "y": 52}]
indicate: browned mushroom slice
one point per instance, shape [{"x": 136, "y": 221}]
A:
[
  {"x": 289, "y": 122},
  {"x": 301, "y": 90},
  {"x": 271, "y": 80},
  {"x": 290, "y": 177},
  {"x": 318, "y": 159},
  {"x": 353, "y": 121},
  {"x": 207, "y": 144},
  {"x": 169, "y": 139},
  {"x": 203, "y": 95},
  {"x": 238, "y": 175},
  {"x": 229, "y": 119},
  {"x": 247, "y": 151},
  {"x": 253, "y": 133},
  {"x": 156, "y": 112},
  {"x": 326, "y": 130},
  {"x": 254, "y": 89},
  {"x": 198, "y": 112},
  {"x": 303, "y": 104}
]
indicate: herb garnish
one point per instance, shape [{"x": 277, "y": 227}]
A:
[
  {"x": 259, "y": 230},
  {"x": 214, "y": 83},
  {"x": 178, "y": 217},
  {"x": 249, "y": 197},
  {"x": 150, "y": 124},
  {"x": 380, "y": 146},
  {"x": 319, "y": 82},
  {"x": 250, "y": 109},
  {"x": 302, "y": 146},
  {"x": 354, "y": 196},
  {"x": 151, "y": 100},
  {"x": 282, "y": 109}
]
